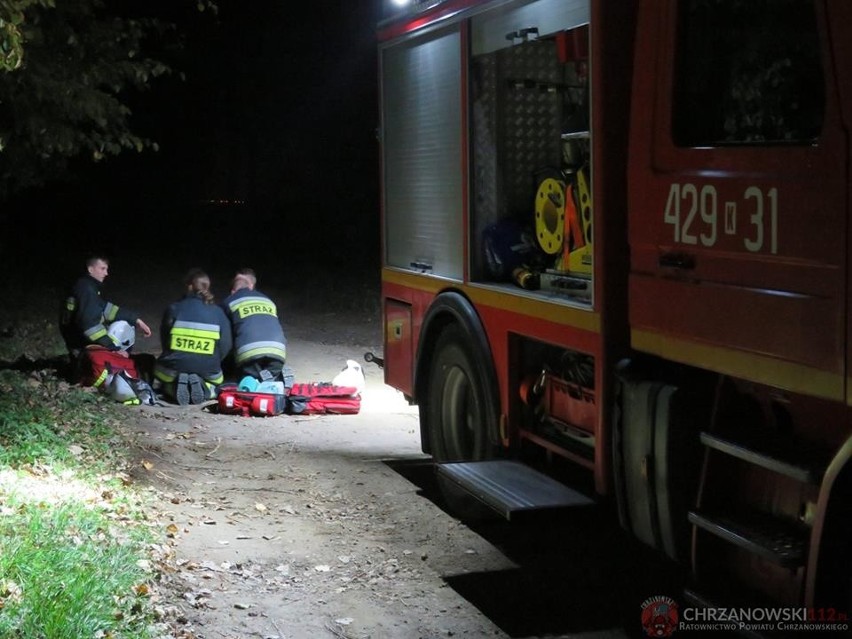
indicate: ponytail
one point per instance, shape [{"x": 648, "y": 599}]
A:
[{"x": 198, "y": 283}]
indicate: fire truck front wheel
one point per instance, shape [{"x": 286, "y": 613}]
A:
[{"x": 459, "y": 405}]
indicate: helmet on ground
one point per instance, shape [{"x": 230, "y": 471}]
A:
[
  {"x": 121, "y": 390},
  {"x": 123, "y": 334}
]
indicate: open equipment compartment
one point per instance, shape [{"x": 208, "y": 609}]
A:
[{"x": 531, "y": 207}]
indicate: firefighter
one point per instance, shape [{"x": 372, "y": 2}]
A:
[
  {"x": 85, "y": 316},
  {"x": 196, "y": 337},
  {"x": 260, "y": 349}
]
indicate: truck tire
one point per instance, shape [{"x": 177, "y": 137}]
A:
[
  {"x": 459, "y": 403},
  {"x": 458, "y": 415}
]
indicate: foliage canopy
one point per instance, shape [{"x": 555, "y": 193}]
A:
[{"x": 67, "y": 70}]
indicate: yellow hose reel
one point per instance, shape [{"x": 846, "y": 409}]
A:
[
  {"x": 563, "y": 222},
  {"x": 550, "y": 215}
]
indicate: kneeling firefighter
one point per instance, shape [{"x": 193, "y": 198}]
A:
[
  {"x": 260, "y": 349},
  {"x": 196, "y": 337}
]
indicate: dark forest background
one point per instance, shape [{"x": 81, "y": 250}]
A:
[{"x": 267, "y": 155}]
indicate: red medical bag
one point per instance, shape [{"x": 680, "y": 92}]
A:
[
  {"x": 315, "y": 398},
  {"x": 236, "y": 402}
]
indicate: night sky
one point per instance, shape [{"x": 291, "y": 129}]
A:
[
  {"x": 278, "y": 113},
  {"x": 276, "y": 100}
]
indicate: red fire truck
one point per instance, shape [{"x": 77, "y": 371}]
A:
[{"x": 616, "y": 269}]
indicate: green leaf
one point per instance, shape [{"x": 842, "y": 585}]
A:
[{"x": 70, "y": 96}]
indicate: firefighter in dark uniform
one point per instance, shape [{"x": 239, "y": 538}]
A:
[
  {"x": 260, "y": 349},
  {"x": 86, "y": 316},
  {"x": 196, "y": 337}
]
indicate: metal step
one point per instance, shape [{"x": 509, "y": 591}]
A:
[
  {"x": 770, "y": 537},
  {"x": 784, "y": 458},
  {"x": 510, "y": 487}
]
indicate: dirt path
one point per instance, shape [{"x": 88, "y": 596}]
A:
[
  {"x": 309, "y": 527},
  {"x": 297, "y": 527}
]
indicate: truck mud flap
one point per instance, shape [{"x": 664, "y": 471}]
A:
[{"x": 511, "y": 488}]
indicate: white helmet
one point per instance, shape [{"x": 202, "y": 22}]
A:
[
  {"x": 121, "y": 391},
  {"x": 122, "y": 334}
]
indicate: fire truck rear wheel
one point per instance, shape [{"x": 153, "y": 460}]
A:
[
  {"x": 458, "y": 411},
  {"x": 458, "y": 404}
]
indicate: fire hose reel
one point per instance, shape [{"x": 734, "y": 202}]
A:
[{"x": 550, "y": 215}]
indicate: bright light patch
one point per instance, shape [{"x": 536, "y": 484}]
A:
[{"x": 400, "y": 3}]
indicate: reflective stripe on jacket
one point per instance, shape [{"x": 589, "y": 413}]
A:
[
  {"x": 85, "y": 315},
  {"x": 195, "y": 338},
  {"x": 257, "y": 329}
]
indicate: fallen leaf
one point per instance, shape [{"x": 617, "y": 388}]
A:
[{"x": 147, "y": 465}]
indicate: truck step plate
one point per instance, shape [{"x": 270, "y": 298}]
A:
[{"x": 510, "y": 487}]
